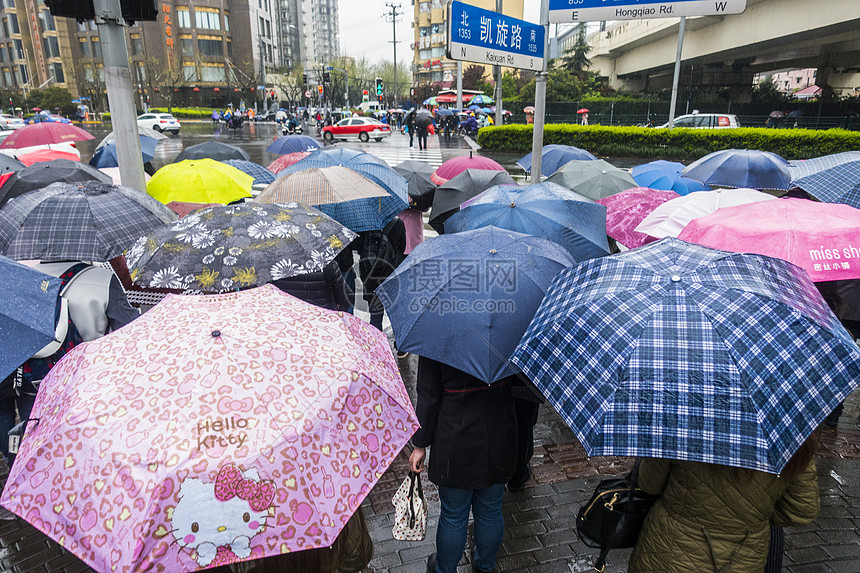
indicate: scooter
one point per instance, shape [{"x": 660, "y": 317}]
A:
[{"x": 294, "y": 129}]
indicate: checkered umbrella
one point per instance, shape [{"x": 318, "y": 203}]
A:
[
  {"x": 255, "y": 170},
  {"x": 677, "y": 351},
  {"x": 831, "y": 178},
  {"x": 84, "y": 221}
]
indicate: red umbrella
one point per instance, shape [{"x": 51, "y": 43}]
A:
[
  {"x": 582, "y": 110},
  {"x": 44, "y": 133},
  {"x": 457, "y": 165},
  {"x": 285, "y": 161},
  {"x": 216, "y": 89},
  {"x": 196, "y": 90},
  {"x": 46, "y": 155},
  {"x": 35, "y": 109},
  {"x": 183, "y": 208}
]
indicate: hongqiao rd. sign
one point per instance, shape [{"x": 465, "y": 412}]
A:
[{"x": 592, "y": 10}]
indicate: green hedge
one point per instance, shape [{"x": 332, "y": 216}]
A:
[
  {"x": 187, "y": 112},
  {"x": 683, "y": 144}
]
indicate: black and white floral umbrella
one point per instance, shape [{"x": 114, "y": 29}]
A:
[{"x": 232, "y": 247}]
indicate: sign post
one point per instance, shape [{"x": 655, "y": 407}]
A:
[
  {"x": 540, "y": 102},
  {"x": 594, "y": 10}
]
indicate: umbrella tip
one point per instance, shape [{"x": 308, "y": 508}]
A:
[
  {"x": 676, "y": 279},
  {"x": 493, "y": 251},
  {"x": 216, "y": 333},
  {"x": 513, "y": 204}
]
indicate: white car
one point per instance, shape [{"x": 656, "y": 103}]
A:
[
  {"x": 10, "y": 121},
  {"x": 705, "y": 121},
  {"x": 159, "y": 122}
]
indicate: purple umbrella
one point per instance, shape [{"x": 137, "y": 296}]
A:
[{"x": 625, "y": 210}]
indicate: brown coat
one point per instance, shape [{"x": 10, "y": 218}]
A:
[{"x": 714, "y": 518}]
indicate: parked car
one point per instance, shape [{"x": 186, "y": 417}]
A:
[
  {"x": 705, "y": 121},
  {"x": 159, "y": 122},
  {"x": 361, "y": 128},
  {"x": 45, "y": 118},
  {"x": 10, "y": 121},
  {"x": 270, "y": 115}
]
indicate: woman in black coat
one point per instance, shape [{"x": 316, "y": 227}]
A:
[{"x": 472, "y": 429}]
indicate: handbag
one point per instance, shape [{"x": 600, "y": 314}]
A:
[
  {"x": 410, "y": 510},
  {"x": 613, "y": 517}
]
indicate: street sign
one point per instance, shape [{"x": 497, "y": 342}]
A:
[
  {"x": 485, "y": 37},
  {"x": 307, "y": 93},
  {"x": 593, "y": 10}
]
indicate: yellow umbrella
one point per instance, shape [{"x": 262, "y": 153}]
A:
[{"x": 199, "y": 181}]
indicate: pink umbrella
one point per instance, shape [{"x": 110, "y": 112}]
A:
[
  {"x": 823, "y": 238},
  {"x": 285, "y": 161},
  {"x": 457, "y": 165},
  {"x": 625, "y": 210},
  {"x": 213, "y": 429},
  {"x": 43, "y": 134},
  {"x": 183, "y": 208}
]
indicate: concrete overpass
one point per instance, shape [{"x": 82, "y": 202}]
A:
[{"x": 727, "y": 51}]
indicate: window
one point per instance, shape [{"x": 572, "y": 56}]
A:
[
  {"x": 12, "y": 53},
  {"x": 212, "y": 74},
  {"x": 437, "y": 52},
  {"x": 88, "y": 74},
  {"x": 207, "y": 20},
  {"x": 183, "y": 18},
  {"x": 22, "y": 73},
  {"x": 59, "y": 76},
  {"x": 141, "y": 71},
  {"x": 190, "y": 73},
  {"x": 136, "y": 45},
  {"x": 187, "y": 46},
  {"x": 227, "y": 21},
  {"x": 46, "y": 21},
  {"x": 424, "y": 54},
  {"x": 13, "y": 23},
  {"x": 19, "y": 49},
  {"x": 424, "y": 7},
  {"x": 85, "y": 47},
  {"x": 210, "y": 48},
  {"x": 424, "y": 32},
  {"x": 97, "y": 48},
  {"x": 7, "y": 78},
  {"x": 51, "y": 47},
  {"x": 229, "y": 48},
  {"x": 82, "y": 26}
]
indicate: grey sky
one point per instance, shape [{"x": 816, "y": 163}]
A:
[{"x": 365, "y": 32}]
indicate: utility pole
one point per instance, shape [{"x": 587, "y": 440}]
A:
[
  {"x": 498, "y": 73},
  {"x": 540, "y": 97},
  {"x": 392, "y": 16}
]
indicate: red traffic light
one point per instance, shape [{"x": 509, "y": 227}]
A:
[{"x": 320, "y": 88}]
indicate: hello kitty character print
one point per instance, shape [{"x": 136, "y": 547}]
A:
[{"x": 217, "y": 520}]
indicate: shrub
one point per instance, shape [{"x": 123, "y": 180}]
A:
[
  {"x": 683, "y": 144},
  {"x": 186, "y": 112}
]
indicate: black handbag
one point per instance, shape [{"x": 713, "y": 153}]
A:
[{"x": 613, "y": 517}]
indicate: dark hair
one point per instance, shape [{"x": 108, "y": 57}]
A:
[
  {"x": 830, "y": 292},
  {"x": 801, "y": 458}
]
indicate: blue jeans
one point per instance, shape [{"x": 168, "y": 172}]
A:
[{"x": 486, "y": 506}]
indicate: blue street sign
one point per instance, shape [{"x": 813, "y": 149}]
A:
[
  {"x": 592, "y": 10},
  {"x": 485, "y": 37}
]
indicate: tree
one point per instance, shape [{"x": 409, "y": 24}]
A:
[
  {"x": 291, "y": 84},
  {"x": 51, "y": 98},
  {"x": 12, "y": 99},
  {"x": 576, "y": 58},
  {"x": 166, "y": 80},
  {"x": 473, "y": 76},
  {"x": 767, "y": 92},
  {"x": 91, "y": 86}
]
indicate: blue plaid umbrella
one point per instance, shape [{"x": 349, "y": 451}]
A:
[
  {"x": 831, "y": 178},
  {"x": 666, "y": 175},
  {"x": 28, "y": 300},
  {"x": 255, "y": 170},
  {"x": 466, "y": 299},
  {"x": 741, "y": 168},
  {"x": 554, "y": 156},
  {"x": 677, "y": 351},
  {"x": 293, "y": 144}
]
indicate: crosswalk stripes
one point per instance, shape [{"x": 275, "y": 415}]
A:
[{"x": 395, "y": 155}]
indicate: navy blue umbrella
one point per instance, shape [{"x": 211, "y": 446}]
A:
[
  {"x": 677, "y": 351},
  {"x": 443, "y": 111},
  {"x": 554, "y": 156},
  {"x": 293, "y": 144},
  {"x": 666, "y": 176},
  {"x": 741, "y": 168},
  {"x": 28, "y": 302},
  {"x": 466, "y": 299},
  {"x": 547, "y": 210},
  {"x": 105, "y": 156},
  {"x": 255, "y": 170}
]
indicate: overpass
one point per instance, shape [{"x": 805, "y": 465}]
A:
[{"x": 727, "y": 51}]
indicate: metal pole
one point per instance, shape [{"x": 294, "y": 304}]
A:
[
  {"x": 540, "y": 97},
  {"x": 677, "y": 70},
  {"x": 123, "y": 114},
  {"x": 459, "y": 84},
  {"x": 497, "y": 70}
]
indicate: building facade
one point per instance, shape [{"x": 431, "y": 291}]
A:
[
  {"x": 309, "y": 33},
  {"x": 429, "y": 62}
]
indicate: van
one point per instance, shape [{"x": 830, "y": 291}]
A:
[
  {"x": 705, "y": 121},
  {"x": 366, "y": 106}
]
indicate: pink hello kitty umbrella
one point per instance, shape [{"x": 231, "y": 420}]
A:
[{"x": 213, "y": 429}]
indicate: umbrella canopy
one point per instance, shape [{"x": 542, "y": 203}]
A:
[
  {"x": 43, "y": 134},
  {"x": 455, "y": 166},
  {"x": 421, "y": 187},
  {"x": 255, "y": 170},
  {"x": 665, "y": 175},
  {"x": 595, "y": 179},
  {"x": 236, "y": 246},
  {"x": 554, "y": 156},
  {"x": 343, "y": 194},
  {"x": 41, "y": 155},
  {"x": 832, "y": 178},
  {"x": 776, "y": 113},
  {"x": 212, "y": 150},
  {"x": 9, "y": 164},
  {"x": 668, "y": 219},
  {"x": 443, "y": 111},
  {"x": 285, "y": 161},
  {"x": 474, "y": 107},
  {"x": 199, "y": 181},
  {"x": 471, "y": 315},
  {"x": 544, "y": 209},
  {"x": 821, "y": 238},
  {"x": 85, "y": 221},
  {"x": 722, "y": 358},
  {"x": 626, "y": 210},
  {"x": 468, "y": 184},
  {"x": 183, "y": 209},
  {"x": 28, "y": 302},
  {"x": 293, "y": 144},
  {"x": 105, "y": 156},
  {"x": 529, "y": 109},
  {"x": 741, "y": 168},
  {"x": 582, "y": 110},
  {"x": 43, "y": 173},
  {"x": 482, "y": 99},
  {"x": 141, "y": 131},
  {"x": 429, "y": 101},
  {"x": 275, "y": 419},
  {"x": 116, "y": 178}
]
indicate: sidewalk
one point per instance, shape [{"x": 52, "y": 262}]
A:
[{"x": 540, "y": 534}]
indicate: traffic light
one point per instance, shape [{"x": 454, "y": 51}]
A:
[
  {"x": 320, "y": 88},
  {"x": 326, "y": 77},
  {"x": 365, "y": 95},
  {"x": 379, "y": 89},
  {"x": 305, "y": 79}
]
